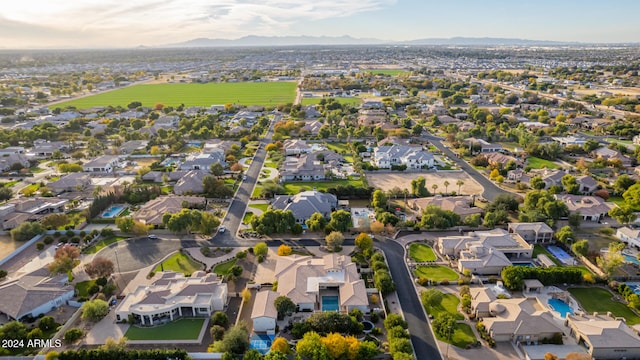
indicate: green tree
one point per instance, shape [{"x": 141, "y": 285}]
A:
[
  {"x": 379, "y": 200},
  {"x": 623, "y": 183},
  {"x": 632, "y": 195},
  {"x": 26, "y": 231},
  {"x": 235, "y": 341},
  {"x": 581, "y": 247},
  {"x": 565, "y": 235},
  {"x": 623, "y": 214},
  {"x": 493, "y": 218},
  {"x": 444, "y": 324},
  {"x": 284, "y": 306},
  {"x": 215, "y": 188},
  {"x": 340, "y": 220},
  {"x": 216, "y": 169},
  {"x": 418, "y": 187},
  {"x": 208, "y": 223},
  {"x": 364, "y": 242},
  {"x": 13, "y": 330},
  {"x": 260, "y": 249},
  {"x": 72, "y": 335},
  {"x": 125, "y": 224},
  {"x": 570, "y": 184},
  {"x": 220, "y": 318},
  {"x": 94, "y": 310},
  {"x": 54, "y": 221},
  {"x": 537, "y": 183},
  {"x": 334, "y": 240},
  {"x": 473, "y": 220},
  {"x": 611, "y": 260},
  {"x": 308, "y": 346},
  {"x": 431, "y": 297},
  {"x": 575, "y": 219},
  {"x": 505, "y": 202},
  {"x": 5, "y": 193},
  {"x": 316, "y": 222}
]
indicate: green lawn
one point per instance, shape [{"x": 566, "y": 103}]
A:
[
  {"x": 183, "y": 329},
  {"x": 223, "y": 269},
  {"x": 537, "y": 163},
  {"x": 461, "y": 337},
  {"x": 9, "y": 184},
  {"x": 341, "y": 100},
  {"x": 256, "y": 191},
  {"x": 263, "y": 207},
  {"x": 179, "y": 262},
  {"x": 584, "y": 270},
  {"x": 421, "y": 253},
  {"x": 293, "y": 188},
  {"x": 601, "y": 300},
  {"x": 30, "y": 189},
  {"x": 243, "y": 93},
  {"x": 449, "y": 305},
  {"x": 539, "y": 249},
  {"x": 82, "y": 288},
  {"x": 348, "y": 158},
  {"x": 103, "y": 243},
  {"x": 339, "y": 147},
  {"x": 391, "y": 72},
  {"x": 246, "y": 219},
  {"x": 436, "y": 273},
  {"x": 620, "y": 201},
  {"x": 270, "y": 164}
]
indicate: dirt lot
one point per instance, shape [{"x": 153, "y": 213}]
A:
[{"x": 387, "y": 181}]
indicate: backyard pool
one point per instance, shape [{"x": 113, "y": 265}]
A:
[
  {"x": 524, "y": 264},
  {"x": 561, "y": 307},
  {"x": 330, "y": 303},
  {"x": 113, "y": 211},
  {"x": 631, "y": 259}
]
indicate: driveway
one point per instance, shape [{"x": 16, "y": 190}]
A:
[
  {"x": 422, "y": 338},
  {"x": 135, "y": 254}
]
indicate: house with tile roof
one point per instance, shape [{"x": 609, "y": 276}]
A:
[
  {"x": 172, "y": 296},
  {"x": 591, "y": 208},
  {"x": 461, "y": 205},
  {"x": 264, "y": 313},
  {"x": 533, "y": 233},
  {"x": 151, "y": 212},
  {"x": 604, "y": 336},
  {"x": 304, "y": 204},
  {"x": 413, "y": 156},
  {"x": 191, "y": 183}
]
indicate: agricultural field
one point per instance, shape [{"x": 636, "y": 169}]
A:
[{"x": 247, "y": 93}]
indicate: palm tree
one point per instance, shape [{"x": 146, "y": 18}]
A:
[
  {"x": 446, "y": 186},
  {"x": 434, "y": 187},
  {"x": 459, "y": 183}
]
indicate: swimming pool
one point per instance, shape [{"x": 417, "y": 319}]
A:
[
  {"x": 631, "y": 259},
  {"x": 524, "y": 264},
  {"x": 261, "y": 342},
  {"x": 330, "y": 303},
  {"x": 113, "y": 211},
  {"x": 561, "y": 307},
  {"x": 561, "y": 255}
]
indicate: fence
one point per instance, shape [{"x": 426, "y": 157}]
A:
[{"x": 21, "y": 249}]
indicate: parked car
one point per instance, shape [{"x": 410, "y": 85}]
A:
[
  {"x": 222, "y": 229},
  {"x": 153, "y": 237}
]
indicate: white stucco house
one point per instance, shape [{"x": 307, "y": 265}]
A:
[
  {"x": 412, "y": 156},
  {"x": 264, "y": 313}
]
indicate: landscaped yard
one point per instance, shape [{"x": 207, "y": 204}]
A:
[
  {"x": 601, "y": 300},
  {"x": 223, "y": 269},
  {"x": 263, "y": 207},
  {"x": 539, "y": 249},
  {"x": 82, "y": 288},
  {"x": 103, "y": 243},
  {"x": 461, "y": 337},
  {"x": 449, "y": 304},
  {"x": 538, "y": 163},
  {"x": 436, "y": 273},
  {"x": 243, "y": 93},
  {"x": 246, "y": 219},
  {"x": 340, "y": 148},
  {"x": 183, "y": 329},
  {"x": 179, "y": 262},
  {"x": 293, "y": 188},
  {"x": 421, "y": 253}
]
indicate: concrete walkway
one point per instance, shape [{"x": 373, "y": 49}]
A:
[{"x": 211, "y": 261}]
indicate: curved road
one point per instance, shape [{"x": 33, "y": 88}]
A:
[
  {"x": 136, "y": 254},
  {"x": 422, "y": 338},
  {"x": 490, "y": 189}
]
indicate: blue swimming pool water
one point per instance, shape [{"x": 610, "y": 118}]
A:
[
  {"x": 112, "y": 211},
  {"x": 560, "y": 306},
  {"x": 524, "y": 264},
  {"x": 631, "y": 259},
  {"x": 261, "y": 342},
  {"x": 330, "y": 303}
]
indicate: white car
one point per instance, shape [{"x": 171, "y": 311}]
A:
[
  {"x": 222, "y": 229},
  {"x": 153, "y": 237}
]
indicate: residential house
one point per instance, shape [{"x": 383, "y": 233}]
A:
[
  {"x": 9, "y": 160},
  {"x": 44, "y": 149},
  {"x": 587, "y": 184},
  {"x": 203, "y": 161},
  {"x": 481, "y": 298},
  {"x": 12, "y": 150},
  {"x": 167, "y": 121},
  {"x": 629, "y": 236},
  {"x": 446, "y": 119},
  {"x": 500, "y": 159},
  {"x": 16, "y": 211},
  {"x": 413, "y": 157},
  {"x": 518, "y": 175},
  {"x": 71, "y": 182},
  {"x": 103, "y": 164},
  {"x": 34, "y": 294},
  {"x": 296, "y": 147},
  {"x": 304, "y": 204},
  {"x": 310, "y": 167},
  {"x": 591, "y": 208},
  {"x": 264, "y": 313},
  {"x": 151, "y": 212},
  {"x": 160, "y": 176},
  {"x": 461, "y": 205},
  {"x": 550, "y": 177},
  {"x": 611, "y": 154},
  {"x": 524, "y": 321},
  {"x": 569, "y": 140},
  {"x": 483, "y": 145},
  {"x": 172, "y": 296},
  {"x": 369, "y": 117},
  {"x": 309, "y": 282},
  {"x": 485, "y": 252},
  {"x": 312, "y": 127},
  {"x": 604, "y": 336},
  {"x": 132, "y": 146},
  {"x": 533, "y": 233},
  {"x": 191, "y": 183}
]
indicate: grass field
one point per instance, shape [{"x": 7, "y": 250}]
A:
[
  {"x": 449, "y": 305},
  {"x": 263, "y": 207},
  {"x": 436, "y": 273},
  {"x": 103, "y": 243},
  {"x": 601, "y": 300},
  {"x": 421, "y": 253},
  {"x": 461, "y": 337},
  {"x": 341, "y": 100},
  {"x": 340, "y": 148},
  {"x": 293, "y": 188},
  {"x": 223, "y": 269},
  {"x": 537, "y": 163},
  {"x": 246, "y": 93},
  {"x": 392, "y": 72},
  {"x": 183, "y": 329},
  {"x": 246, "y": 219},
  {"x": 181, "y": 263}
]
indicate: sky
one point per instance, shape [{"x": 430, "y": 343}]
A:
[{"x": 129, "y": 23}]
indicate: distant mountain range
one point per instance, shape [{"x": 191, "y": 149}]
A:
[{"x": 254, "y": 40}]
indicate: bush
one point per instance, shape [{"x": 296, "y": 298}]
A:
[
  {"x": 56, "y": 234},
  {"x": 93, "y": 289},
  {"x": 40, "y": 245},
  {"x": 72, "y": 335},
  {"x": 3, "y": 274},
  {"x": 205, "y": 251},
  {"x": 48, "y": 240},
  {"x": 374, "y": 317},
  {"x": 70, "y": 234},
  {"x": 101, "y": 281},
  {"x": 260, "y": 258}
]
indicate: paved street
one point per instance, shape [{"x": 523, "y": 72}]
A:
[
  {"x": 422, "y": 338},
  {"x": 133, "y": 255},
  {"x": 490, "y": 189}
]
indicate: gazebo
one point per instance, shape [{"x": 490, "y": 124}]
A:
[{"x": 533, "y": 285}]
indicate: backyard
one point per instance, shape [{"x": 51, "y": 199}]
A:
[
  {"x": 183, "y": 329},
  {"x": 181, "y": 263},
  {"x": 538, "y": 163},
  {"x": 82, "y": 288},
  {"x": 436, "y": 273},
  {"x": 225, "y": 267},
  {"x": 601, "y": 300},
  {"x": 292, "y": 188},
  {"x": 421, "y": 253},
  {"x": 449, "y": 305}
]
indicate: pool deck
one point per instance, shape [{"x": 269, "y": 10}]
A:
[{"x": 547, "y": 293}]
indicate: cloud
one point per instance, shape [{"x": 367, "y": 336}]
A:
[{"x": 163, "y": 21}]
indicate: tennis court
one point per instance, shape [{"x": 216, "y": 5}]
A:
[
  {"x": 561, "y": 255},
  {"x": 261, "y": 342}
]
